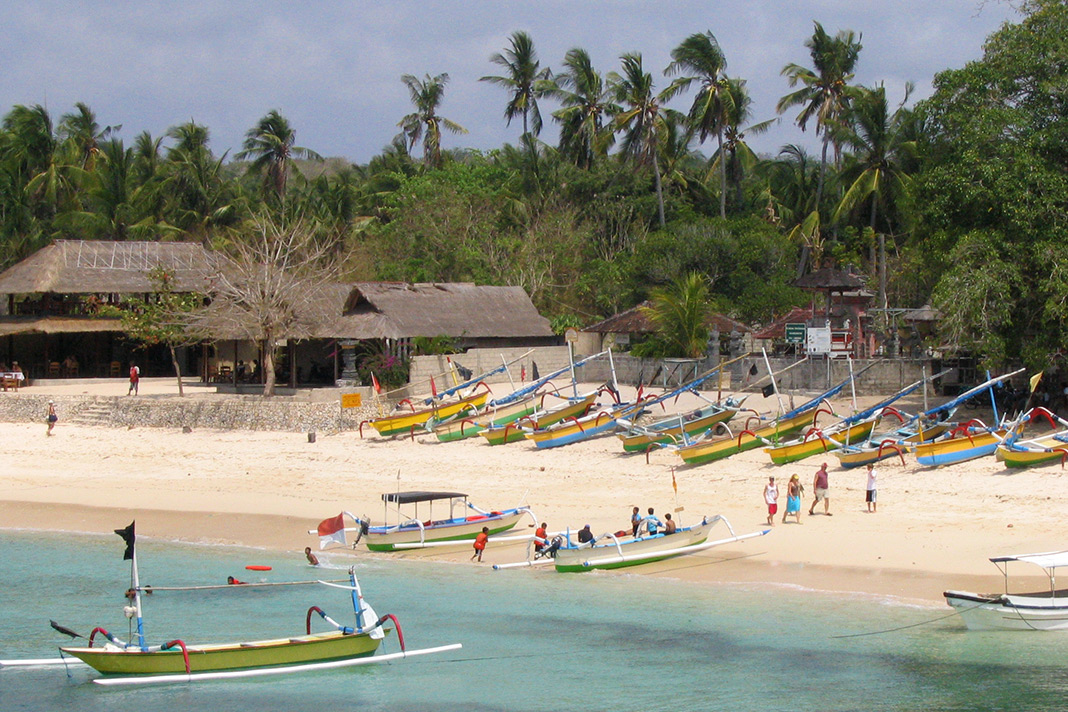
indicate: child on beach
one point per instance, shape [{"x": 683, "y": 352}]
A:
[
  {"x": 771, "y": 498},
  {"x": 870, "y": 494},
  {"x": 480, "y": 544},
  {"x": 52, "y": 417}
]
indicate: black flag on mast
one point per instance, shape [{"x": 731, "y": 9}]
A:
[{"x": 127, "y": 535}]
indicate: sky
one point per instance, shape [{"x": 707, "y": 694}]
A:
[{"x": 333, "y": 69}]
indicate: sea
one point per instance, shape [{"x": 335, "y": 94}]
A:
[{"x": 532, "y": 639}]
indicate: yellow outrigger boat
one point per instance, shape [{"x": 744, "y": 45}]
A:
[{"x": 403, "y": 423}]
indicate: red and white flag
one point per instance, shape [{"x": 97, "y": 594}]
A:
[
  {"x": 374, "y": 382},
  {"x": 332, "y": 530},
  {"x": 433, "y": 388}
]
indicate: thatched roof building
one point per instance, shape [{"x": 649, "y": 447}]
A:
[{"x": 97, "y": 266}]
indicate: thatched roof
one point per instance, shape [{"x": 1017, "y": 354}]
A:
[
  {"x": 396, "y": 310},
  {"x": 107, "y": 267},
  {"x": 59, "y": 325},
  {"x": 830, "y": 279},
  {"x": 634, "y": 321}
]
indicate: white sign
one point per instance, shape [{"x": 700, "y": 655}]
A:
[{"x": 818, "y": 340}]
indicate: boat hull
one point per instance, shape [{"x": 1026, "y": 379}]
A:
[
  {"x": 792, "y": 452},
  {"x": 387, "y": 538},
  {"x": 1041, "y": 451},
  {"x": 700, "y": 453},
  {"x": 511, "y": 433},
  {"x": 470, "y": 427},
  {"x": 402, "y": 423},
  {"x": 573, "y": 560},
  {"x": 1009, "y": 612},
  {"x": 567, "y": 433},
  {"x": 668, "y": 430},
  {"x": 321, "y": 647},
  {"x": 869, "y": 452},
  {"x": 948, "y": 452}
]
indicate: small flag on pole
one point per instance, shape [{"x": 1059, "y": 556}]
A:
[
  {"x": 768, "y": 391},
  {"x": 523, "y": 373},
  {"x": 127, "y": 535},
  {"x": 1035, "y": 379},
  {"x": 332, "y": 530},
  {"x": 433, "y": 388},
  {"x": 674, "y": 484},
  {"x": 374, "y": 383}
]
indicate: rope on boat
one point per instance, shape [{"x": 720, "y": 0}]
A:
[{"x": 905, "y": 627}]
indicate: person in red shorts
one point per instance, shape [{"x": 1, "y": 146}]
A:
[
  {"x": 771, "y": 498},
  {"x": 480, "y": 544}
]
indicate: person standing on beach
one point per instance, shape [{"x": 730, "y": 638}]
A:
[
  {"x": 771, "y": 498},
  {"x": 52, "y": 417},
  {"x": 793, "y": 499},
  {"x": 635, "y": 521},
  {"x": 870, "y": 494},
  {"x": 135, "y": 378},
  {"x": 820, "y": 484},
  {"x": 480, "y": 544}
]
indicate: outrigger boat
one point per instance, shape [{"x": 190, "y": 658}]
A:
[
  {"x": 500, "y": 412},
  {"x": 541, "y": 419},
  {"x": 178, "y": 661},
  {"x": 576, "y": 430},
  {"x": 970, "y": 440},
  {"x": 404, "y": 422},
  {"x": 617, "y": 551},
  {"x": 1040, "y": 610},
  {"x": 1051, "y": 447},
  {"x": 782, "y": 428},
  {"x": 415, "y": 532},
  {"x": 853, "y": 429}
]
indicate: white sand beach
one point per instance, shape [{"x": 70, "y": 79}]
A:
[{"x": 934, "y": 529}]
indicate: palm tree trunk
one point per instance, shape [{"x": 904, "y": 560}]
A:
[
  {"x": 659, "y": 190},
  {"x": 823, "y": 171},
  {"x": 722, "y": 176}
]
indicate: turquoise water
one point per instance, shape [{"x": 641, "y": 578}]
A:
[{"x": 533, "y": 640}]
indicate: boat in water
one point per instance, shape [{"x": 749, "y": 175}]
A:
[
  {"x": 137, "y": 662},
  {"x": 411, "y": 531},
  {"x": 1039, "y": 610}
]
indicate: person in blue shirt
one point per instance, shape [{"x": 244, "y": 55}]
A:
[{"x": 652, "y": 524}]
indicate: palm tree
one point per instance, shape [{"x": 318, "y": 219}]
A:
[
  {"x": 642, "y": 118},
  {"x": 198, "y": 197},
  {"x": 701, "y": 57},
  {"x": 735, "y": 154},
  {"x": 82, "y": 130},
  {"x": 269, "y": 144},
  {"x": 680, "y": 312},
  {"x": 824, "y": 90},
  {"x": 524, "y": 78},
  {"x": 424, "y": 123},
  {"x": 881, "y": 145},
  {"x": 586, "y": 106}
]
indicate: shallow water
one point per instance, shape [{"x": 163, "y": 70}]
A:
[{"x": 533, "y": 640}]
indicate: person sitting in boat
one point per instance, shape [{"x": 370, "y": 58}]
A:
[
  {"x": 652, "y": 524},
  {"x": 669, "y": 525},
  {"x": 585, "y": 536}
]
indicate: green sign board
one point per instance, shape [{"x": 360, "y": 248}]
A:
[{"x": 795, "y": 333}]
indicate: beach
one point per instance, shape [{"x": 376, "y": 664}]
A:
[{"x": 934, "y": 529}]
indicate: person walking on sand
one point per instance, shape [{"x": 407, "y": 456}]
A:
[
  {"x": 52, "y": 417},
  {"x": 135, "y": 379},
  {"x": 771, "y": 498},
  {"x": 820, "y": 484},
  {"x": 793, "y": 499},
  {"x": 480, "y": 544},
  {"x": 870, "y": 494}
]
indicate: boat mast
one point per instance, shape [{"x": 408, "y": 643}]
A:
[
  {"x": 774, "y": 386},
  {"x": 137, "y": 602}
]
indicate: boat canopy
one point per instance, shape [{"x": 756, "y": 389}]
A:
[
  {"x": 1048, "y": 560},
  {"x": 414, "y": 496}
]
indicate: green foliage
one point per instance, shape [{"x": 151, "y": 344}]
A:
[
  {"x": 434, "y": 345},
  {"x": 391, "y": 371},
  {"x": 680, "y": 313},
  {"x": 562, "y": 322}
]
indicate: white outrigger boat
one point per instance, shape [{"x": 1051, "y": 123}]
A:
[
  {"x": 414, "y": 532},
  {"x": 619, "y": 550},
  {"x": 1040, "y": 610}
]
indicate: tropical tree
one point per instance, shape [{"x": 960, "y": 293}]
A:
[
  {"x": 823, "y": 94},
  {"x": 681, "y": 312},
  {"x": 524, "y": 79},
  {"x": 586, "y": 108},
  {"x": 881, "y": 145},
  {"x": 642, "y": 120},
  {"x": 198, "y": 196},
  {"x": 269, "y": 145},
  {"x": 424, "y": 123},
  {"x": 81, "y": 129},
  {"x": 701, "y": 58},
  {"x": 735, "y": 158}
]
